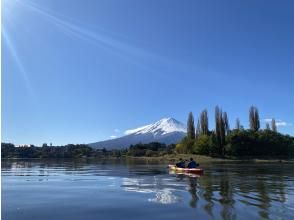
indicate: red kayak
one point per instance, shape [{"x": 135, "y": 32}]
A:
[{"x": 186, "y": 170}]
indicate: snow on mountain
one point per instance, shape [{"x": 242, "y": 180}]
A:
[
  {"x": 163, "y": 126},
  {"x": 166, "y": 130}
]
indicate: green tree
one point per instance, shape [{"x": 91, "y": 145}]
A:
[
  {"x": 7, "y": 150},
  {"x": 242, "y": 143},
  {"x": 220, "y": 130},
  {"x": 254, "y": 122},
  {"x": 190, "y": 127},
  {"x": 198, "y": 130},
  {"x": 181, "y": 148},
  {"x": 204, "y": 122},
  {"x": 260, "y": 144},
  {"x": 185, "y": 146},
  {"x": 217, "y": 117},
  {"x": 204, "y": 145}
]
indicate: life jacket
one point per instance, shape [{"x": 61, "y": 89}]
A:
[{"x": 192, "y": 164}]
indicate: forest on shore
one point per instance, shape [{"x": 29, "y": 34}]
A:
[
  {"x": 238, "y": 142},
  {"x": 222, "y": 141},
  {"x": 153, "y": 149}
]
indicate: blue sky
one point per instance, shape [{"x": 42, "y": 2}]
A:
[{"x": 82, "y": 71}]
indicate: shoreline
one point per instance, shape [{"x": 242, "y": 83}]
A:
[
  {"x": 207, "y": 159},
  {"x": 172, "y": 159}
]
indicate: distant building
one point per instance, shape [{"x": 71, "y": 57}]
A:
[{"x": 25, "y": 145}]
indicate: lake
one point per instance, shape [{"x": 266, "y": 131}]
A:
[{"x": 136, "y": 189}]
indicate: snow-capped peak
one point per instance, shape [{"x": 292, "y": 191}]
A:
[{"x": 161, "y": 127}]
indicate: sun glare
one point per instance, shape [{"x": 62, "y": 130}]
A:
[
  {"x": 9, "y": 9},
  {"x": 9, "y": 4}
]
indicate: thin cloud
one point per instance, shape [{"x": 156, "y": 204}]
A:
[
  {"x": 282, "y": 123},
  {"x": 116, "y": 130},
  {"x": 279, "y": 122},
  {"x": 113, "y": 136},
  {"x": 267, "y": 120}
]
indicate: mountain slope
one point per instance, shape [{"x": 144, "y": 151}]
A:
[{"x": 166, "y": 130}]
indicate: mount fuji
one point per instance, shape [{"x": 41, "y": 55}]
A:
[{"x": 166, "y": 130}]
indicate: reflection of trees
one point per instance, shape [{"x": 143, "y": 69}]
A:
[
  {"x": 18, "y": 168},
  {"x": 193, "y": 192},
  {"x": 226, "y": 200},
  {"x": 44, "y": 167},
  {"x": 192, "y": 187},
  {"x": 221, "y": 186},
  {"x": 281, "y": 191},
  {"x": 207, "y": 194},
  {"x": 264, "y": 185},
  {"x": 221, "y": 183},
  {"x": 264, "y": 198},
  {"x": 219, "y": 191}
]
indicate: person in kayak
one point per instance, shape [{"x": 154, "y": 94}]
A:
[
  {"x": 192, "y": 163},
  {"x": 181, "y": 164}
]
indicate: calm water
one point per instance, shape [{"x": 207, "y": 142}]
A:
[{"x": 34, "y": 189}]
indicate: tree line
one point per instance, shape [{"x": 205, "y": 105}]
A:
[
  {"x": 8, "y": 150},
  {"x": 224, "y": 141},
  {"x": 153, "y": 149}
]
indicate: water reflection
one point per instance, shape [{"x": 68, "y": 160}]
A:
[
  {"x": 192, "y": 190},
  {"x": 160, "y": 188},
  {"x": 164, "y": 189},
  {"x": 165, "y": 196},
  {"x": 225, "y": 191},
  {"x": 235, "y": 188}
]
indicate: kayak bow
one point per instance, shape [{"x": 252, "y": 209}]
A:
[{"x": 186, "y": 170}]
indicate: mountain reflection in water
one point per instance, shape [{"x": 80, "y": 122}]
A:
[{"x": 91, "y": 189}]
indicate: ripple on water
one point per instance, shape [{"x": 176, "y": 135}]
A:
[{"x": 225, "y": 191}]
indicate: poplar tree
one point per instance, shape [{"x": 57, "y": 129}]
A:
[
  {"x": 198, "y": 130},
  {"x": 274, "y": 125},
  {"x": 204, "y": 122},
  {"x": 254, "y": 122},
  {"x": 220, "y": 129},
  {"x": 190, "y": 126},
  {"x": 267, "y": 126},
  {"x": 238, "y": 125},
  {"x": 222, "y": 132},
  {"x": 217, "y": 127},
  {"x": 226, "y": 123}
]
